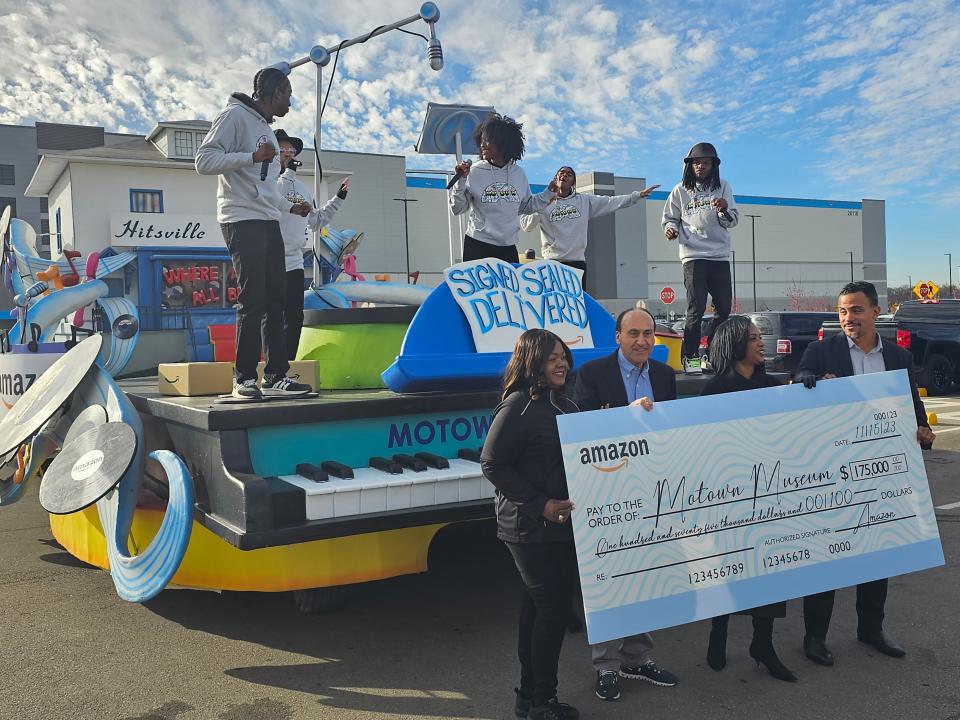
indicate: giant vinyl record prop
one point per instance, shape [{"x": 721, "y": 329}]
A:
[
  {"x": 87, "y": 468},
  {"x": 51, "y": 390}
]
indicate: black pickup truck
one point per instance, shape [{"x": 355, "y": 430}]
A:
[{"x": 931, "y": 332}]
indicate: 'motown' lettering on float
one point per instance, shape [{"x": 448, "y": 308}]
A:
[{"x": 442, "y": 430}]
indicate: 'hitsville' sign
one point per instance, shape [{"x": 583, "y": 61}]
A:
[{"x": 500, "y": 301}]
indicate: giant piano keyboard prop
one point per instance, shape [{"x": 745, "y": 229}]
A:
[
  {"x": 348, "y": 487},
  {"x": 391, "y": 484}
]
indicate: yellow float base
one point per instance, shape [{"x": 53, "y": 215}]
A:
[{"x": 213, "y": 564}]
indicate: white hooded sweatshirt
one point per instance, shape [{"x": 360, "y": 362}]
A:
[
  {"x": 227, "y": 152},
  {"x": 294, "y": 227},
  {"x": 496, "y": 197},
  {"x": 563, "y": 224},
  {"x": 703, "y": 234}
]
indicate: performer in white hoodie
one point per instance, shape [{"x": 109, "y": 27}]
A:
[
  {"x": 699, "y": 214},
  {"x": 495, "y": 191},
  {"x": 239, "y": 150},
  {"x": 294, "y": 230},
  {"x": 563, "y": 225}
]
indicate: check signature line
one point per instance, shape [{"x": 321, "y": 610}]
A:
[
  {"x": 744, "y": 499},
  {"x": 872, "y": 524},
  {"x": 885, "y": 437},
  {"x": 681, "y": 562},
  {"x": 640, "y": 546}
]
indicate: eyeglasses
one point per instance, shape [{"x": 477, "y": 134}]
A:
[{"x": 288, "y": 150}]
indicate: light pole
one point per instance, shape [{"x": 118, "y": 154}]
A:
[
  {"x": 733, "y": 266},
  {"x": 950, "y": 273},
  {"x": 850, "y": 253},
  {"x": 406, "y": 231},
  {"x": 753, "y": 247}
]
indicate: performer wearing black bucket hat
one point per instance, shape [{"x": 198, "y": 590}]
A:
[
  {"x": 294, "y": 228},
  {"x": 699, "y": 214}
]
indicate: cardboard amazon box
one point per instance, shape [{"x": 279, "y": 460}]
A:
[{"x": 193, "y": 379}]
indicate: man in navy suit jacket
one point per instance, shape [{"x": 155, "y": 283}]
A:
[
  {"x": 856, "y": 351},
  {"x": 626, "y": 377}
]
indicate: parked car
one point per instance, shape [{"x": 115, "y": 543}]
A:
[
  {"x": 931, "y": 332},
  {"x": 786, "y": 335}
]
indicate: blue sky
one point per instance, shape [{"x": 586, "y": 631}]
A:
[{"x": 836, "y": 99}]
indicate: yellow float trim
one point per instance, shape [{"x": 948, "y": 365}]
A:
[{"x": 214, "y": 564}]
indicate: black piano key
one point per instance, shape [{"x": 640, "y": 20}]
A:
[
  {"x": 435, "y": 461},
  {"x": 409, "y": 461},
  {"x": 309, "y": 470},
  {"x": 469, "y": 454},
  {"x": 386, "y": 465},
  {"x": 339, "y": 470}
]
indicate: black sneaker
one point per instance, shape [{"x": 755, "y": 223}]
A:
[
  {"x": 649, "y": 671},
  {"x": 247, "y": 390},
  {"x": 608, "y": 685},
  {"x": 521, "y": 707},
  {"x": 284, "y": 386},
  {"x": 553, "y": 709}
]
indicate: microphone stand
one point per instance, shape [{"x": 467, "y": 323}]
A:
[{"x": 320, "y": 57}]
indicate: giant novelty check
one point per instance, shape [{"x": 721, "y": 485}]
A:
[{"x": 710, "y": 505}]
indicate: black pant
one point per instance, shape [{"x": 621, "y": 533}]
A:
[
  {"x": 699, "y": 278},
  {"x": 871, "y": 597},
  {"x": 293, "y": 312},
  {"x": 548, "y": 571},
  {"x": 579, "y": 265},
  {"x": 474, "y": 249},
  {"x": 256, "y": 248}
]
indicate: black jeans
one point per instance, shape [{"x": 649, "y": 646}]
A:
[
  {"x": 474, "y": 249},
  {"x": 293, "y": 312},
  {"x": 256, "y": 248},
  {"x": 579, "y": 265},
  {"x": 699, "y": 278},
  {"x": 871, "y": 598},
  {"x": 548, "y": 571}
]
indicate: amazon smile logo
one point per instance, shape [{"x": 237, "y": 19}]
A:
[
  {"x": 14, "y": 384},
  {"x": 618, "y": 453}
]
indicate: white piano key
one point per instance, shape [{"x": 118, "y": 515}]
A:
[
  {"x": 319, "y": 496},
  {"x": 373, "y": 491}
]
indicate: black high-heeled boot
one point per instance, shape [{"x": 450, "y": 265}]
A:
[
  {"x": 717, "y": 649},
  {"x": 761, "y": 650}
]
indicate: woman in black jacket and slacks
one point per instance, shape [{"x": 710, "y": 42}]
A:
[
  {"x": 522, "y": 459},
  {"x": 736, "y": 354}
]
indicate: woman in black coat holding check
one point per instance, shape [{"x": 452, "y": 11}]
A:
[
  {"x": 736, "y": 354},
  {"x": 522, "y": 459}
]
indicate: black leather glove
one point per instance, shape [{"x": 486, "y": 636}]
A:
[{"x": 808, "y": 378}]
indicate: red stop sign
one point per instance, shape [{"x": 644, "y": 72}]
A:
[{"x": 667, "y": 295}]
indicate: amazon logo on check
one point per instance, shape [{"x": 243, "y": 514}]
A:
[{"x": 618, "y": 453}]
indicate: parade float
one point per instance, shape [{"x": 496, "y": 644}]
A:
[{"x": 306, "y": 495}]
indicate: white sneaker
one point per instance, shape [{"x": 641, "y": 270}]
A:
[
  {"x": 691, "y": 366},
  {"x": 247, "y": 390},
  {"x": 284, "y": 386}
]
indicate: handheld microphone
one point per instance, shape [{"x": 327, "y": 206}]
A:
[
  {"x": 456, "y": 177},
  {"x": 264, "y": 166},
  {"x": 430, "y": 14},
  {"x": 725, "y": 215}
]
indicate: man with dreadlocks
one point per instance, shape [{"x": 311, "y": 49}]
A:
[
  {"x": 699, "y": 214},
  {"x": 563, "y": 226},
  {"x": 239, "y": 150},
  {"x": 496, "y": 192}
]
